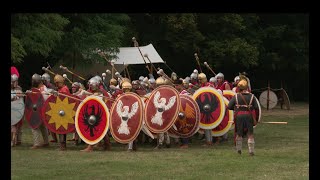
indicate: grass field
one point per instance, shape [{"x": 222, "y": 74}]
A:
[{"x": 281, "y": 152}]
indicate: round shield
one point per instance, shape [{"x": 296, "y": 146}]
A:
[
  {"x": 228, "y": 94},
  {"x": 268, "y": 99},
  {"x": 17, "y": 111},
  {"x": 92, "y": 120},
  {"x": 33, "y": 109},
  {"x": 212, "y": 107},
  {"x": 162, "y": 109},
  {"x": 284, "y": 98},
  {"x": 257, "y": 113},
  {"x": 187, "y": 123},
  {"x": 59, "y": 112},
  {"x": 126, "y": 117},
  {"x": 226, "y": 123}
]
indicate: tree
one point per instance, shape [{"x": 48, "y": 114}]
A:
[{"x": 36, "y": 34}]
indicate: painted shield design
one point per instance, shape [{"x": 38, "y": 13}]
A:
[
  {"x": 187, "y": 123},
  {"x": 228, "y": 94},
  {"x": 126, "y": 117},
  {"x": 268, "y": 99},
  {"x": 162, "y": 109},
  {"x": 59, "y": 112},
  {"x": 92, "y": 120},
  {"x": 33, "y": 109},
  {"x": 17, "y": 111},
  {"x": 227, "y": 122},
  {"x": 212, "y": 107}
]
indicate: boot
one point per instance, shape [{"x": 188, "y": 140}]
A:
[
  {"x": 134, "y": 146},
  {"x": 63, "y": 146},
  {"x": 88, "y": 149},
  {"x": 207, "y": 144}
]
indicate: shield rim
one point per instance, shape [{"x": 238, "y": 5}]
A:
[
  {"x": 174, "y": 133},
  {"x": 173, "y": 118},
  {"x": 104, "y": 133},
  {"x": 222, "y": 106},
  {"x": 22, "y": 102},
  {"x": 230, "y": 121},
  {"x": 265, "y": 93},
  {"x": 141, "y": 118},
  {"x": 228, "y": 92},
  {"x": 46, "y": 123},
  {"x": 260, "y": 111},
  {"x": 35, "y": 91},
  {"x": 286, "y": 99}
]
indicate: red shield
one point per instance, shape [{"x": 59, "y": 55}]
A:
[
  {"x": 212, "y": 107},
  {"x": 17, "y": 111},
  {"x": 34, "y": 103},
  {"x": 92, "y": 120},
  {"x": 162, "y": 109},
  {"x": 187, "y": 123},
  {"x": 228, "y": 94},
  {"x": 59, "y": 112},
  {"x": 126, "y": 117},
  {"x": 226, "y": 123}
]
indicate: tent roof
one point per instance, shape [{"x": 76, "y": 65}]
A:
[{"x": 132, "y": 55}]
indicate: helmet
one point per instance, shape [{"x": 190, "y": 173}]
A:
[
  {"x": 202, "y": 78},
  {"x": 160, "y": 81},
  {"x": 174, "y": 76},
  {"x": 98, "y": 78},
  {"x": 14, "y": 77},
  {"x": 195, "y": 71},
  {"x": 152, "y": 80},
  {"x": 213, "y": 80},
  {"x": 45, "y": 77},
  {"x": 113, "y": 82},
  {"x": 75, "y": 84},
  {"x": 219, "y": 75},
  {"x": 243, "y": 84},
  {"x": 141, "y": 78},
  {"x": 236, "y": 78},
  {"x": 36, "y": 78},
  {"x": 126, "y": 85},
  {"x": 194, "y": 76},
  {"x": 94, "y": 83},
  {"x": 58, "y": 78}
]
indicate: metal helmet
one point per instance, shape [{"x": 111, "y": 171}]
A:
[
  {"x": 236, "y": 78},
  {"x": 213, "y": 80},
  {"x": 58, "y": 79},
  {"x": 202, "y": 78},
  {"x": 219, "y": 75},
  {"x": 243, "y": 84},
  {"x": 174, "y": 76},
  {"x": 94, "y": 83},
  {"x": 196, "y": 71},
  {"x": 141, "y": 78},
  {"x": 75, "y": 84},
  {"x": 152, "y": 81},
  {"x": 113, "y": 82},
  {"x": 194, "y": 76},
  {"x": 98, "y": 78},
  {"x": 36, "y": 78},
  {"x": 14, "y": 78},
  {"x": 126, "y": 86},
  {"x": 160, "y": 81},
  {"x": 45, "y": 77}
]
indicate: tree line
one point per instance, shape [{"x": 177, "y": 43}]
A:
[{"x": 271, "y": 48}]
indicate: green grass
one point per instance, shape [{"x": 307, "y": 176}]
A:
[{"x": 282, "y": 152}]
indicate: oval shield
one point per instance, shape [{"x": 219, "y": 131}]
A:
[
  {"x": 162, "y": 109},
  {"x": 212, "y": 107},
  {"x": 257, "y": 113},
  {"x": 92, "y": 120},
  {"x": 226, "y": 123},
  {"x": 228, "y": 94},
  {"x": 59, "y": 112},
  {"x": 268, "y": 99},
  {"x": 33, "y": 109},
  {"x": 187, "y": 123},
  {"x": 17, "y": 111},
  {"x": 126, "y": 117}
]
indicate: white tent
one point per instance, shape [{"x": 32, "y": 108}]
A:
[{"x": 126, "y": 55}]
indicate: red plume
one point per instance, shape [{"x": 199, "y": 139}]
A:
[{"x": 14, "y": 70}]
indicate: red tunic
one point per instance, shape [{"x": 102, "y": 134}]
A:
[
  {"x": 223, "y": 86},
  {"x": 64, "y": 90}
]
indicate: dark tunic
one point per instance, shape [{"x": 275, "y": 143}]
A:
[{"x": 242, "y": 116}]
